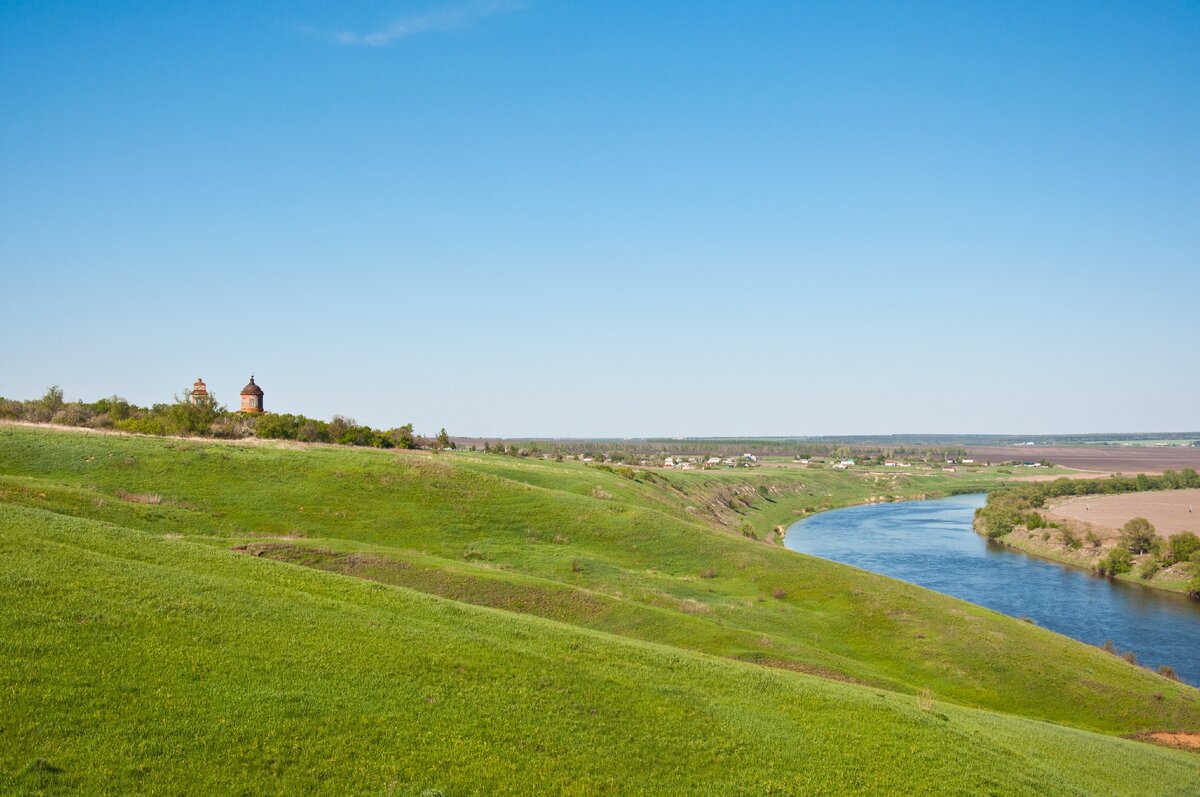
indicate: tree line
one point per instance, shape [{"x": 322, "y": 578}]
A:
[
  {"x": 1010, "y": 507},
  {"x": 206, "y": 417}
]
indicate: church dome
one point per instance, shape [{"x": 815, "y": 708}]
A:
[{"x": 252, "y": 389}]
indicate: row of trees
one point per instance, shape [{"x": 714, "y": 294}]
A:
[
  {"x": 1016, "y": 506},
  {"x": 206, "y": 417},
  {"x": 1140, "y": 538},
  {"x": 1010, "y": 507}
]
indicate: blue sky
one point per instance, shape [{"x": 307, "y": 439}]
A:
[{"x": 611, "y": 218}]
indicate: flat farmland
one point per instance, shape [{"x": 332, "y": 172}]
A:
[
  {"x": 1108, "y": 459},
  {"x": 1171, "y": 511}
]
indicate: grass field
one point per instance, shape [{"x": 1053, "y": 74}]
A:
[{"x": 185, "y": 616}]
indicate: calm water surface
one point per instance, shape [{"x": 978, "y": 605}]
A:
[{"x": 931, "y": 543}]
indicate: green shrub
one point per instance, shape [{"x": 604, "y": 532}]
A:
[
  {"x": 1002, "y": 522},
  {"x": 1118, "y": 561},
  {"x": 1181, "y": 546},
  {"x": 313, "y": 432},
  {"x": 278, "y": 426},
  {"x": 1149, "y": 569},
  {"x": 1138, "y": 535}
]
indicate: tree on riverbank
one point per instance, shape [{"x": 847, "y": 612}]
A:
[{"x": 1138, "y": 536}]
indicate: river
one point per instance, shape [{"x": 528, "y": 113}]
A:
[{"x": 932, "y": 543}]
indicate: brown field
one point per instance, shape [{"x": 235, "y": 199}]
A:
[
  {"x": 1109, "y": 459},
  {"x": 1171, "y": 511},
  {"x": 1049, "y": 477}
]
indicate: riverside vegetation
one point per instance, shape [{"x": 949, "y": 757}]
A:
[
  {"x": 1138, "y": 554},
  {"x": 204, "y": 616}
]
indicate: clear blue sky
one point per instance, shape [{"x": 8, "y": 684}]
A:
[{"x": 610, "y": 218}]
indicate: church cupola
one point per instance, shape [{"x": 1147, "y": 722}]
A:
[{"x": 252, "y": 397}]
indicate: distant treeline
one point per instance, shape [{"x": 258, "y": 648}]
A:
[
  {"x": 206, "y": 417},
  {"x": 650, "y": 448},
  {"x": 1010, "y": 507},
  {"x": 896, "y": 442},
  {"x": 972, "y": 440}
]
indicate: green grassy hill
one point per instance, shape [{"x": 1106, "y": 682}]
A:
[{"x": 182, "y": 616}]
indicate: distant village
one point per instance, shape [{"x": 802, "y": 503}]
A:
[{"x": 748, "y": 460}]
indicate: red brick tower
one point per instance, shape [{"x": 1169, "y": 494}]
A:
[
  {"x": 199, "y": 391},
  {"x": 252, "y": 398}
]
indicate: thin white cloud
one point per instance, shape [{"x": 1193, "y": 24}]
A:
[{"x": 439, "y": 19}]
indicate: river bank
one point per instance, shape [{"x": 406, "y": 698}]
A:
[
  {"x": 1085, "y": 531},
  {"x": 1048, "y": 544}
]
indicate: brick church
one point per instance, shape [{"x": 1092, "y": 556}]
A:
[{"x": 252, "y": 396}]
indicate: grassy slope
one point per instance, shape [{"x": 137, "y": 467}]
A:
[
  {"x": 138, "y": 663},
  {"x": 532, "y": 537},
  {"x": 464, "y": 527}
]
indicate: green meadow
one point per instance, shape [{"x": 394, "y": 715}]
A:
[{"x": 185, "y": 616}]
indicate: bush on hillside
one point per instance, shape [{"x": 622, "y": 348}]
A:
[
  {"x": 1149, "y": 569},
  {"x": 1138, "y": 535},
  {"x": 278, "y": 426},
  {"x": 1181, "y": 546},
  {"x": 364, "y": 436},
  {"x": 1001, "y": 521},
  {"x": 1118, "y": 561},
  {"x": 402, "y": 437}
]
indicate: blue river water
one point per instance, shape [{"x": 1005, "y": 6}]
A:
[{"x": 932, "y": 543}]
